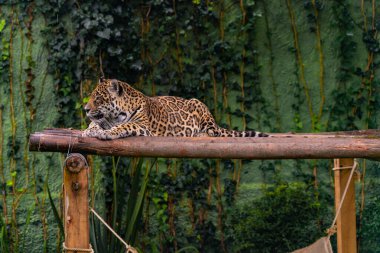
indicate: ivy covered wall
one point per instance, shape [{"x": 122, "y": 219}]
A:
[{"x": 275, "y": 66}]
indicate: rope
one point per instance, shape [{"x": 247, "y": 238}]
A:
[
  {"x": 343, "y": 168},
  {"x": 69, "y": 148},
  {"x": 332, "y": 229},
  {"x": 128, "y": 247},
  {"x": 76, "y": 249}
]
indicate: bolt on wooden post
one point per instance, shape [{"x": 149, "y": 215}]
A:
[{"x": 76, "y": 218}]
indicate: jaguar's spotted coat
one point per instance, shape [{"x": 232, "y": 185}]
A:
[{"x": 117, "y": 110}]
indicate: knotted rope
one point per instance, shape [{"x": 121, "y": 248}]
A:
[
  {"x": 128, "y": 247},
  {"x": 76, "y": 249}
]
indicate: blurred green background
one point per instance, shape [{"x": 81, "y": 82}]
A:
[{"x": 274, "y": 66}]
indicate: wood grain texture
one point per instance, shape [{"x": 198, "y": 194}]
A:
[
  {"x": 354, "y": 144},
  {"x": 76, "y": 221},
  {"x": 346, "y": 222}
]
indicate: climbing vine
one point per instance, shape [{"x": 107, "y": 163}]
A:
[{"x": 268, "y": 65}]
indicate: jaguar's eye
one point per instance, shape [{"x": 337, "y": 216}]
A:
[{"x": 97, "y": 102}]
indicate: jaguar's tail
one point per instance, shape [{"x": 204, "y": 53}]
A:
[{"x": 222, "y": 132}]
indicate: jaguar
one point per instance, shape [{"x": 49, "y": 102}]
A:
[{"x": 117, "y": 110}]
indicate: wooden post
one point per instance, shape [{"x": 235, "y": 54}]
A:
[
  {"x": 76, "y": 221},
  {"x": 346, "y": 222}
]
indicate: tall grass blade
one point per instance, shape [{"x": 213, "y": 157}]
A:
[
  {"x": 4, "y": 239},
  {"x": 55, "y": 212},
  {"x": 27, "y": 222},
  {"x": 134, "y": 221},
  {"x": 128, "y": 209},
  {"x": 134, "y": 189},
  {"x": 191, "y": 249}
]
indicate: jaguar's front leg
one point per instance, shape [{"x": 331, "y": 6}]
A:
[
  {"x": 123, "y": 130},
  {"x": 92, "y": 130}
]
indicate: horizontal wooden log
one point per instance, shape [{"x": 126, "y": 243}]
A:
[{"x": 354, "y": 144}]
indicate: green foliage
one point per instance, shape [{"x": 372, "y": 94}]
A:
[
  {"x": 285, "y": 218},
  {"x": 247, "y": 60},
  {"x": 27, "y": 226},
  {"x": 369, "y": 231},
  {"x": 57, "y": 217},
  {"x": 348, "y": 94},
  {"x": 2, "y": 24},
  {"x": 4, "y": 46},
  {"x": 5, "y": 240},
  {"x": 127, "y": 209}
]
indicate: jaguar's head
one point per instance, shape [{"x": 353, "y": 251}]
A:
[{"x": 105, "y": 106}]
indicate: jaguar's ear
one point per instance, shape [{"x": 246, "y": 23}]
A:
[
  {"x": 116, "y": 87},
  {"x": 101, "y": 79}
]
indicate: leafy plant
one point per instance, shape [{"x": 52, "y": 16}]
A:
[
  {"x": 5, "y": 240},
  {"x": 27, "y": 223},
  {"x": 369, "y": 229},
  {"x": 57, "y": 217},
  {"x": 254, "y": 63},
  {"x": 287, "y": 217},
  {"x": 126, "y": 215}
]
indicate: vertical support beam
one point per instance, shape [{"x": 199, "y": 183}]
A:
[
  {"x": 346, "y": 222},
  {"x": 76, "y": 223}
]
